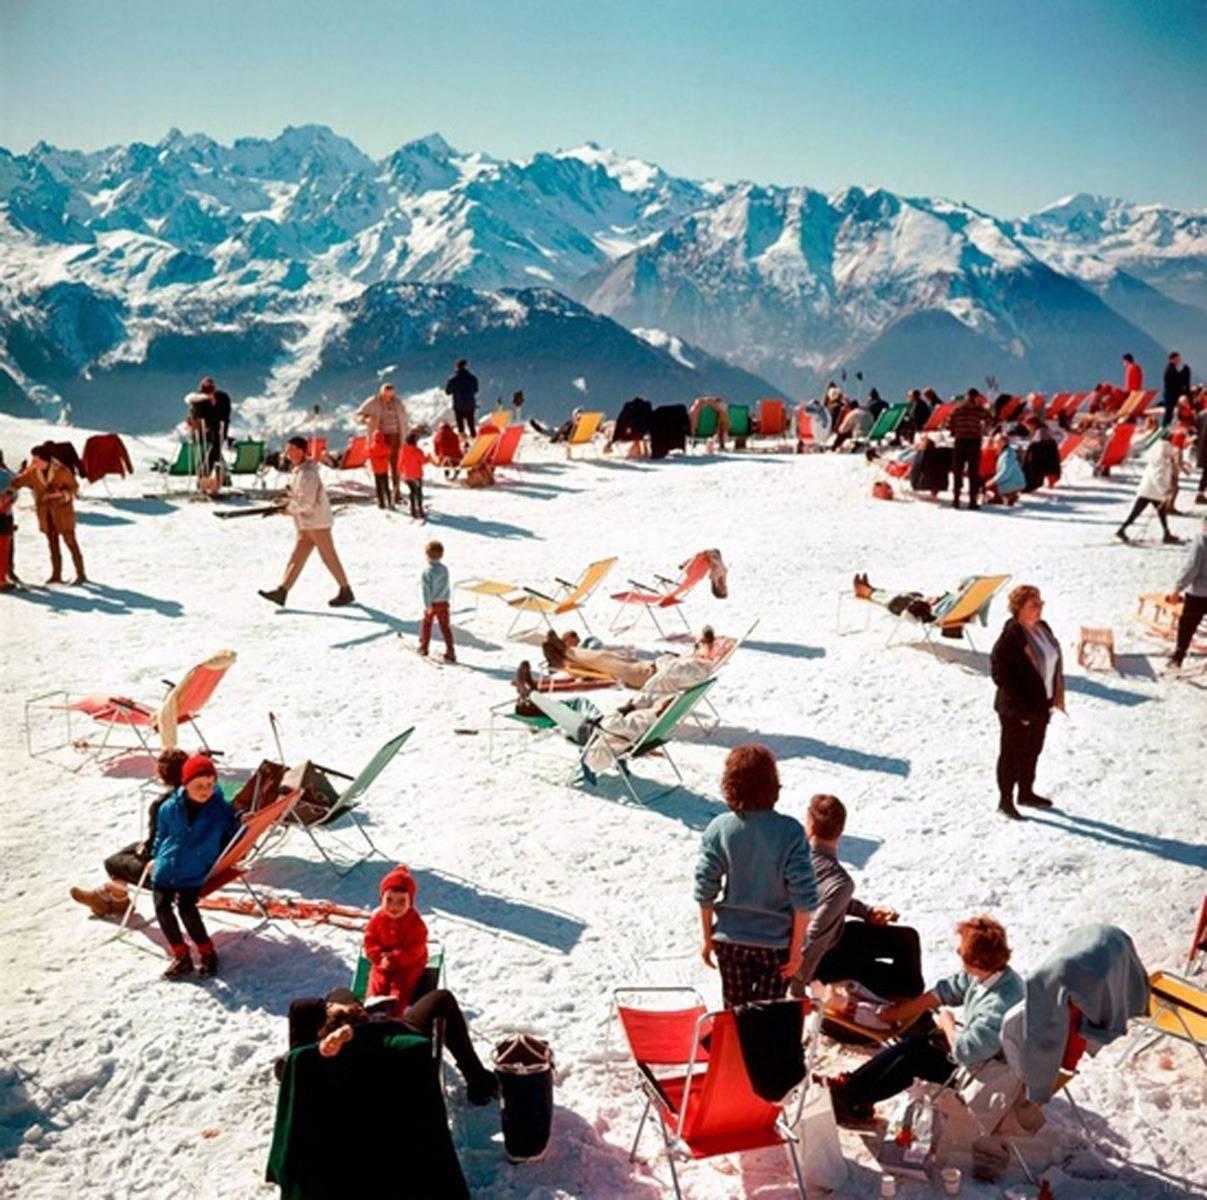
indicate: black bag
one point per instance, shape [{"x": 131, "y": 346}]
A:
[
  {"x": 319, "y": 794},
  {"x": 261, "y": 789},
  {"x": 524, "y": 1065}
]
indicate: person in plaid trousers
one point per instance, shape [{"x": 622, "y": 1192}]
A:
[{"x": 757, "y": 862}]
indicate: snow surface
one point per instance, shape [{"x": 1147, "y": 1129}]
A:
[{"x": 117, "y": 1084}]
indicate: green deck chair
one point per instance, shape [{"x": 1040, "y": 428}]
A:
[
  {"x": 185, "y": 462},
  {"x": 739, "y": 421},
  {"x": 706, "y": 425},
  {"x": 347, "y": 801},
  {"x": 249, "y": 458},
  {"x": 429, "y": 981},
  {"x": 887, "y": 423}
]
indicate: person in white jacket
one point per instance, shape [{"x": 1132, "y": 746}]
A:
[
  {"x": 311, "y": 512},
  {"x": 1158, "y": 487}
]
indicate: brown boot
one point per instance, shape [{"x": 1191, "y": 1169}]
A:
[{"x": 104, "y": 901}]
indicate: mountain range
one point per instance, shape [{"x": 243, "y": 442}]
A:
[{"x": 299, "y": 271}]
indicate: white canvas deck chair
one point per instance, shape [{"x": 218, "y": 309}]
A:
[
  {"x": 181, "y": 705},
  {"x": 655, "y": 740},
  {"x": 346, "y": 803}
]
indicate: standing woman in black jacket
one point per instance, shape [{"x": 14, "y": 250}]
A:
[{"x": 1027, "y": 669}]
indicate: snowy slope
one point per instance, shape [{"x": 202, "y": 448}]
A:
[{"x": 119, "y": 1085}]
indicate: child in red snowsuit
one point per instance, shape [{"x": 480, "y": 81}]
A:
[
  {"x": 379, "y": 461},
  {"x": 412, "y": 473},
  {"x": 396, "y": 940}
]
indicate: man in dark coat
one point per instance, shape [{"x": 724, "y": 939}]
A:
[
  {"x": 967, "y": 425},
  {"x": 1177, "y": 385},
  {"x": 462, "y": 386}
]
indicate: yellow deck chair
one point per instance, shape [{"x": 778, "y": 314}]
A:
[
  {"x": 973, "y": 600},
  {"x": 476, "y": 456},
  {"x": 585, "y": 429},
  {"x": 500, "y": 418},
  {"x": 1176, "y": 1008},
  {"x": 572, "y": 598},
  {"x": 487, "y": 587}
]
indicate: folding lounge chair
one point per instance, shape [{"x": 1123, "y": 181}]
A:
[
  {"x": 348, "y": 800},
  {"x": 669, "y": 596},
  {"x": 706, "y": 425},
  {"x": 805, "y": 434},
  {"x": 182, "y": 704},
  {"x": 1115, "y": 451},
  {"x": 1198, "y": 944},
  {"x": 887, "y": 423},
  {"x": 503, "y": 448},
  {"x": 1070, "y": 446},
  {"x": 249, "y": 460},
  {"x": 692, "y": 1074},
  {"x": 586, "y": 426},
  {"x": 478, "y": 454},
  {"x": 1010, "y": 409},
  {"x": 356, "y": 455},
  {"x": 1134, "y": 406},
  {"x": 500, "y": 419},
  {"x": 939, "y": 417},
  {"x": 233, "y": 863},
  {"x": 654, "y": 740},
  {"x": 973, "y": 600},
  {"x": 739, "y": 421},
  {"x": 1177, "y": 1009},
  {"x": 572, "y": 599},
  {"x": 316, "y": 448},
  {"x": 773, "y": 419}
]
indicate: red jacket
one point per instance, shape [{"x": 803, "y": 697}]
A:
[
  {"x": 412, "y": 462},
  {"x": 446, "y": 445},
  {"x": 397, "y": 952},
  {"x": 379, "y": 457},
  {"x": 1133, "y": 378}
]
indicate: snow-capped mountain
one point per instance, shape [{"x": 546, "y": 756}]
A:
[{"x": 128, "y": 270}]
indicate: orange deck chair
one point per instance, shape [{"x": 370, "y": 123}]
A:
[
  {"x": 692, "y": 1074},
  {"x": 503, "y": 448},
  {"x": 356, "y": 455},
  {"x": 1070, "y": 446},
  {"x": 500, "y": 419},
  {"x": 1116, "y": 448},
  {"x": 805, "y": 434},
  {"x": 182, "y": 705},
  {"x": 478, "y": 454},
  {"x": 939, "y": 417},
  {"x": 773, "y": 418},
  {"x": 586, "y": 426},
  {"x": 316, "y": 448},
  {"x": 669, "y": 596}
]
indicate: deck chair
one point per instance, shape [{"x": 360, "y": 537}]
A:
[
  {"x": 706, "y": 425},
  {"x": 739, "y": 421},
  {"x": 500, "y": 419},
  {"x": 249, "y": 460},
  {"x": 356, "y": 455},
  {"x": 185, "y": 463},
  {"x": 938, "y": 418},
  {"x": 572, "y": 598},
  {"x": 668, "y": 596},
  {"x": 1070, "y": 446},
  {"x": 233, "y": 863},
  {"x": 181, "y": 705},
  {"x": 973, "y": 601},
  {"x": 1010, "y": 409},
  {"x": 1116, "y": 448},
  {"x": 692, "y": 1074},
  {"x": 503, "y": 448},
  {"x": 1198, "y": 944},
  {"x": 773, "y": 419},
  {"x": 316, "y": 448},
  {"x": 347, "y": 801},
  {"x": 1056, "y": 406},
  {"x": 654, "y": 740},
  {"x": 1135, "y": 405},
  {"x": 1177, "y": 1009},
  {"x": 478, "y": 455},
  {"x": 887, "y": 423},
  {"x": 586, "y": 426}
]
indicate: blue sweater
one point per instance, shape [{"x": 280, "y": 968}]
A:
[
  {"x": 435, "y": 584},
  {"x": 985, "y": 1005},
  {"x": 763, "y": 859},
  {"x": 184, "y": 851}
]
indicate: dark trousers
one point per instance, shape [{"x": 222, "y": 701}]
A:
[
  {"x": 1203, "y": 480},
  {"x": 382, "y": 483},
  {"x": 966, "y": 456},
  {"x": 751, "y": 973},
  {"x": 415, "y": 493},
  {"x": 438, "y": 613},
  {"x": 1194, "y": 609},
  {"x": 1142, "y": 502},
  {"x": 465, "y": 422},
  {"x": 394, "y": 441},
  {"x": 1021, "y": 745},
  {"x": 186, "y": 903},
  {"x": 1170, "y": 404},
  {"x": 127, "y": 865},
  {"x": 885, "y": 958},
  {"x": 896, "y": 1067}
]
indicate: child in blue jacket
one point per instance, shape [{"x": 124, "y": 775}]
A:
[{"x": 195, "y": 824}]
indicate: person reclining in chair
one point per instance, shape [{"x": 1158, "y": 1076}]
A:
[
  {"x": 848, "y": 939},
  {"x": 987, "y": 988},
  {"x": 666, "y": 673},
  {"x": 923, "y": 609}
]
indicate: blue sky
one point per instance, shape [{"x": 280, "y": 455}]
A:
[{"x": 1005, "y": 105}]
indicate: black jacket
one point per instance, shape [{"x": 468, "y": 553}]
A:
[
  {"x": 1177, "y": 381},
  {"x": 1021, "y": 694},
  {"x": 463, "y": 387}
]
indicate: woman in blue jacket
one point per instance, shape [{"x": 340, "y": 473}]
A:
[
  {"x": 1009, "y": 479},
  {"x": 195, "y": 824}
]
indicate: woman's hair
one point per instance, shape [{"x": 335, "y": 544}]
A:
[
  {"x": 750, "y": 781},
  {"x": 828, "y": 817},
  {"x": 169, "y": 765},
  {"x": 554, "y": 650},
  {"x": 983, "y": 943},
  {"x": 1023, "y": 594}
]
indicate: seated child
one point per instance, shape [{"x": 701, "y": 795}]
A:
[{"x": 396, "y": 940}]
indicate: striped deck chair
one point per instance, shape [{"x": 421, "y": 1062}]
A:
[
  {"x": 571, "y": 598},
  {"x": 972, "y": 602},
  {"x": 1056, "y": 405},
  {"x": 181, "y": 705},
  {"x": 668, "y": 596},
  {"x": 1135, "y": 405},
  {"x": 586, "y": 426}
]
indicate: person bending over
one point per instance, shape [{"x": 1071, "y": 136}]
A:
[
  {"x": 985, "y": 986},
  {"x": 848, "y": 939}
]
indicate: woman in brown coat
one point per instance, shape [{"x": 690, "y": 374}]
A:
[{"x": 54, "y": 488}]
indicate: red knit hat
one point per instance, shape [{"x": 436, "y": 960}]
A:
[
  {"x": 197, "y": 765},
  {"x": 401, "y": 880}
]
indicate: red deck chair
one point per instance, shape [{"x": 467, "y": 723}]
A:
[
  {"x": 939, "y": 417},
  {"x": 316, "y": 448},
  {"x": 1073, "y": 407},
  {"x": 1056, "y": 406},
  {"x": 805, "y": 434},
  {"x": 1012, "y": 407},
  {"x": 234, "y": 862},
  {"x": 702, "y": 1113},
  {"x": 1115, "y": 451},
  {"x": 773, "y": 418},
  {"x": 182, "y": 704},
  {"x": 669, "y": 596},
  {"x": 356, "y": 455},
  {"x": 1070, "y": 446},
  {"x": 502, "y": 453}
]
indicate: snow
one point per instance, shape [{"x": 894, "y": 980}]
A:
[
  {"x": 665, "y": 341},
  {"x": 547, "y": 896}
]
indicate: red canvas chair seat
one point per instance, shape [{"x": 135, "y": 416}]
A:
[
  {"x": 773, "y": 418},
  {"x": 502, "y": 453},
  {"x": 113, "y": 710},
  {"x": 356, "y": 455},
  {"x": 938, "y": 418},
  {"x": 650, "y": 598},
  {"x": 1116, "y": 449}
]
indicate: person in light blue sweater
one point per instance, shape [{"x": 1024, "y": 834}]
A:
[
  {"x": 435, "y": 602},
  {"x": 1008, "y": 481},
  {"x": 754, "y": 883},
  {"x": 986, "y": 987}
]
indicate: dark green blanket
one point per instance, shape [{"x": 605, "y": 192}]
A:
[{"x": 369, "y": 1122}]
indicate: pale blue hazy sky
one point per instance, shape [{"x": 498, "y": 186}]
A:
[{"x": 1006, "y": 105}]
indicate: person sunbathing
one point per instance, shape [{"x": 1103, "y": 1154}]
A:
[
  {"x": 924, "y": 609},
  {"x": 667, "y": 672}
]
